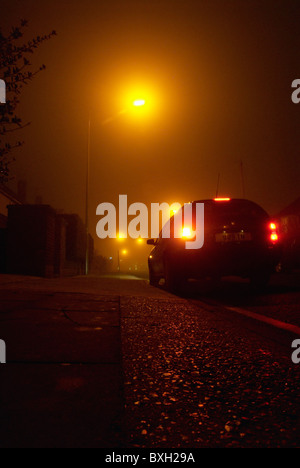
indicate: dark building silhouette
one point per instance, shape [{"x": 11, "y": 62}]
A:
[
  {"x": 7, "y": 197},
  {"x": 31, "y": 240},
  {"x": 60, "y": 246},
  {"x": 75, "y": 250},
  {"x": 36, "y": 240}
]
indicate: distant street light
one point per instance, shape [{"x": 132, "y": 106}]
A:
[{"x": 124, "y": 252}]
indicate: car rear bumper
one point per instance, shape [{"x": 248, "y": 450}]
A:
[{"x": 226, "y": 260}]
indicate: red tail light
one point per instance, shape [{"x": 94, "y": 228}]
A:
[
  {"x": 273, "y": 233},
  {"x": 218, "y": 199}
]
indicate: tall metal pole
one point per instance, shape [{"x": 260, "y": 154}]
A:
[{"x": 87, "y": 197}]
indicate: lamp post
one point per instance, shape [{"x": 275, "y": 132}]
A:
[
  {"x": 136, "y": 103},
  {"x": 87, "y": 197}
]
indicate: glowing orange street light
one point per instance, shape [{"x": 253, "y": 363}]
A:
[{"x": 139, "y": 102}]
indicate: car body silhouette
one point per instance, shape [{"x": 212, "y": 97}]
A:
[{"x": 240, "y": 239}]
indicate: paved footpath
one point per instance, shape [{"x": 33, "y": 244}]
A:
[
  {"x": 62, "y": 385},
  {"x": 111, "y": 363}
]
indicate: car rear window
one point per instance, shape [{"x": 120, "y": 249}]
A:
[
  {"x": 234, "y": 209},
  {"x": 216, "y": 214}
]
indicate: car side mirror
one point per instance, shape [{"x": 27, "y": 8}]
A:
[{"x": 151, "y": 242}]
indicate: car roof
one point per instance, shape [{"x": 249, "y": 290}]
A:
[
  {"x": 242, "y": 204},
  {"x": 224, "y": 200}
]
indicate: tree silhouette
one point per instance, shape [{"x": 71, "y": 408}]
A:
[{"x": 16, "y": 71}]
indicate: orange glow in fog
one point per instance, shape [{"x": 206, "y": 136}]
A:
[
  {"x": 139, "y": 102},
  {"x": 186, "y": 232}
]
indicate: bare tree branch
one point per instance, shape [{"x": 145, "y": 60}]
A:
[{"x": 15, "y": 70}]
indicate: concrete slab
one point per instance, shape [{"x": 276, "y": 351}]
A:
[{"x": 62, "y": 385}]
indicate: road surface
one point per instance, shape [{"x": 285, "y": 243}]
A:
[{"x": 113, "y": 362}]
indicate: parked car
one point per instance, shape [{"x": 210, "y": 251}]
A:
[{"x": 240, "y": 239}]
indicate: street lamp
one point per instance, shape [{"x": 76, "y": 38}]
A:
[
  {"x": 87, "y": 196},
  {"x": 139, "y": 102},
  {"x": 135, "y": 103}
]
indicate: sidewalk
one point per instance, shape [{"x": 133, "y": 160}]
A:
[{"x": 62, "y": 383}]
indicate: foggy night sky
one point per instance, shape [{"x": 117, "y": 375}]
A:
[{"x": 218, "y": 74}]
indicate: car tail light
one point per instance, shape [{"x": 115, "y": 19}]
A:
[
  {"x": 273, "y": 233},
  {"x": 222, "y": 199},
  {"x": 186, "y": 232}
]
